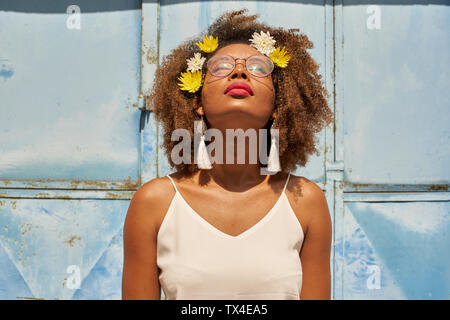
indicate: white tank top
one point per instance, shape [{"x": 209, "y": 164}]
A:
[{"x": 198, "y": 261}]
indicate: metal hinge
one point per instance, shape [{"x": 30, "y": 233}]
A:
[
  {"x": 145, "y": 106},
  {"x": 335, "y": 170}
]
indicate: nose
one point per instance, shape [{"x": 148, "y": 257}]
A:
[{"x": 239, "y": 70}]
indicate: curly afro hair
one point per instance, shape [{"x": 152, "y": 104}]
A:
[{"x": 300, "y": 97}]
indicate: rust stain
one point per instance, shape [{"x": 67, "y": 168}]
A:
[
  {"x": 76, "y": 184},
  {"x": 355, "y": 186},
  {"x": 13, "y": 204},
  {"x": 151, "y": 55},
  {"x": 126, "y": 185},
  {"x": 88, "y": 183},
  {"x": 334, "y": 126},
  {"x": 334, "y": 71},
  {"x": 129, "y": 184},
  {"x": 111, "y": 195},
  {"x": 72, "y": 240},
  {"x": 42, "y": 195},
  {"x": 25, "y": 227},
  {"x": 432, "y": 187},
  {"x": 438, "y": 187},
  {"x": 31, "y": 298}
]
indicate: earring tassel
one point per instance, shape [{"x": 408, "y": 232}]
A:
[
  {"x": 273, "y": 163},
  {"x": 203, "y": 161}
]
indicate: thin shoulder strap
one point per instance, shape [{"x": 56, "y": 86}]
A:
[
  {"x": 173, "y": 183},
  {"x": 287, "y": 180}
]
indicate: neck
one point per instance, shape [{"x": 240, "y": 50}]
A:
[
  {"x": 234, "y": 175},
  {"x": 237, "y": 177}
]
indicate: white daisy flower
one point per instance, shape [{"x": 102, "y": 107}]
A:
[
  {"x": 263, "y": 42},
  {"x": 196, "y": 63}
]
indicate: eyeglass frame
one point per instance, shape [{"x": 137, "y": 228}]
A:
[{"x": 245, "y": 59}]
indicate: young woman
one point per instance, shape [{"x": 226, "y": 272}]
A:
[{"x": 220, "y": 230}]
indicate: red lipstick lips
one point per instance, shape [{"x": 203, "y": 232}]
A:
[{"x": 239, "y": 88}]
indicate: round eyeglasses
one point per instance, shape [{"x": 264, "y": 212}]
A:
[{"x": 258, "y": 65}]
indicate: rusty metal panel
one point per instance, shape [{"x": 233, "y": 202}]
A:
[
  {"x": 149, "y": 63},
  {"x": 391, "y": 212},
  {"x": 395, "y": 62},
  {"x": 56, "y": 246},
  {"x": 69, "y": 116},
  {"x": 394, "y": 250},
  {"x": 70, "y": 145}
]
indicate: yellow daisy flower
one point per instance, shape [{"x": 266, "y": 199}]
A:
[
  {"x": 280, "y": 57},
  {"x": 209, "y": 44},
  {"x": 191, "y": 81}
]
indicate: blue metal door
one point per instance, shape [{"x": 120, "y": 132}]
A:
[
  {"x": 392, "y": 210},
  {"x": 69, "y": 140}
]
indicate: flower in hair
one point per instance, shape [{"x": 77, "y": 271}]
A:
[
  {"x": 263, "y": 42},
  {"x": 196, "y": 63},
  {"x": 191, "y": 81},
  {"x": 280, "y": 57},
  {"x": 209, "y": 44}
]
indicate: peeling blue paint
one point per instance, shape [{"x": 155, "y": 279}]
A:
[
  {"x": 6, "y": 70},
  {"x": 417, "y": 260}
]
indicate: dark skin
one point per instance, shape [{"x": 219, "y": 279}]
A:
[{"x": 231, "y": 187}]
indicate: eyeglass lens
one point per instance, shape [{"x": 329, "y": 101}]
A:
[{"x": 257, "y": 65}]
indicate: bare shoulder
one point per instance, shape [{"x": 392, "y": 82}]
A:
[
  {"x": 308, "y": 201},
  {"x": 150, "y": 202},
  {"x": 140, "y": 270},
  {"x": 302, "y": 190},
  {"x": 157, "y": 189}
]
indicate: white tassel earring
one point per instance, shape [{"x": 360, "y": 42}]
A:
[
  {"x": 273, "y": 163},
  {"x": 202, "y": 159}
]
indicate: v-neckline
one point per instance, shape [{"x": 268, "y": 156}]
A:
[{"x": 241, "y": 235}]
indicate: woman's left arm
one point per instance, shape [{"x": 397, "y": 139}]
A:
[{"x": 315, "y": 253}]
